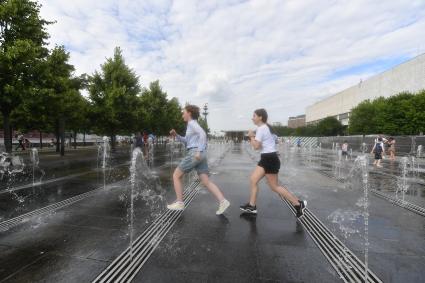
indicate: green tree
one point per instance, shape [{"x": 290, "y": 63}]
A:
[
  {"x": 154, "y": 105},
  {"x": 400, "y": 114},
  {"x": 362, "y": 118},
  {"x": 114, "y": 97},
  {"x": 22, "y": 45},
  {"x": 330, "y": 126},
  {"x": 78, "y": 120},
  {"x": 174, "y": 115},
  {"x": 307, "y": 131},
  {"x": 31, "y": 113},
  {"x": 204, "y": 125},
  {"x": 417, "y": 117},
  {"x": 284, "y": 131},
  {"x": 61, "y": 92}
]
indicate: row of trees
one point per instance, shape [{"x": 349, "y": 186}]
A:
[
  {"x": 402, "y": 114},
  {"x": 39, "y": 90},
  {"x": 329, "y": 126}
]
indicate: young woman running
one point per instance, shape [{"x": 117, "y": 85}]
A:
[
  {"x": 196, "y": 158},
  {"x": 268, "y": 166}
]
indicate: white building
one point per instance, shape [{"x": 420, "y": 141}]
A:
[{"x": 408, "y": 76}]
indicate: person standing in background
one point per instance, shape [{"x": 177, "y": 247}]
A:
[
  {"x": 21, "y": 143},
  {"x": 391, "y": 149},
  {"x": 344, "y": 149},
  {"x": 378, "y": 150},
  {"x": 139, "y": 141}
]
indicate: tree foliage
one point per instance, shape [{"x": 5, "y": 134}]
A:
[
  {"x": 329, "y": 126},
  {"x": 402, "y": 114},
  {"x": 39, "y": 90},
  {"x": 204, "y": 124},
  {"x": 22, "y": 46},
  {"x": 114, "y": 92}
]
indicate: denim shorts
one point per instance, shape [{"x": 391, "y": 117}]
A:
[{"x": 189, "y": 162}]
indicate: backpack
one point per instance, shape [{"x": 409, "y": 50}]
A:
[{"x": 378, "y": 148}]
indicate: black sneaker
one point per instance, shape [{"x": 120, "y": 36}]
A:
[
  {"x": 249, "y": 208},
  {"x": 300, "y": 208}
]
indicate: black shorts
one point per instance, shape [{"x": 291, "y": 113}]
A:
[
  {"x": 378, "y": 155},
  {"x": 344, "y": 153},
  {"x": 270, "y": 162}
]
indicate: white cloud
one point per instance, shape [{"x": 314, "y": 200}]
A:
[
  {"x": 241, "y": 55},
  {"x": 215, "y": 88}
]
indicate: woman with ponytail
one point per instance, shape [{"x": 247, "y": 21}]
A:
[{"x": 269, "y": 165}]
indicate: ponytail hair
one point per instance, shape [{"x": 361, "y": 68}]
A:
[{"x": 264, "y": 116}]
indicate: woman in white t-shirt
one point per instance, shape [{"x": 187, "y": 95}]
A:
[{"x": 268, "y": 166}]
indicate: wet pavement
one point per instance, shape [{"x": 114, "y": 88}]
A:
[
  {"x": 77, "y": 242},
  {"x": 396, "y": 236}
]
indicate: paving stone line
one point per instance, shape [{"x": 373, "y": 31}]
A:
[
  {"x": 345, "y": 262},
  {"x": 127, "y": 265},
  {"x": 10, "y": 223},
  {"x": 129, "y": 262}
]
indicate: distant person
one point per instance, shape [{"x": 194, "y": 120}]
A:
[
  {"x": 139, "y": 141},
  {"x": 344, "y": 149},
  {"x": 383, "y": 139},
  {"x": 52, "y": 143},
  {"x": 276, "y": 138},
  {"x": 151, "y": 138},
  {"x": 378, "y": 150},
  {"x": 268, "y": 166},
  {"x": 298, "y": 142},
  {"x": 145, "y": 138},
  {"x": 21, "y": 143},
  {"x": 27, "y": 143},
  {"x": 196, "y": 159},
  {"x": 391, "y": 148}
]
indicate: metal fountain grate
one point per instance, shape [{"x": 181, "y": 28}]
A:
[
  {"x": 126, "y": 266},
  {"x": 344, "y": 261},
  {"x": 6, "y": 225}
]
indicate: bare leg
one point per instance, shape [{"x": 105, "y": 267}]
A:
[
  {"x": 256, "y": 176},
  {"x": 272, "y": 179},
  {"x": 177, "y": 180},
  {"x": 211, "y": 187}
]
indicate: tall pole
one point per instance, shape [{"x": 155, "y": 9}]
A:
[{"x": 205, "y": 113}]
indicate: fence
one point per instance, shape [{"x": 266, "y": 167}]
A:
[{"x": 405, "y": 145}]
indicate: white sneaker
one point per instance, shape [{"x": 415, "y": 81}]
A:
[
  {"x": 224, "y": 204},
  {"x": 178, "y": 205}
]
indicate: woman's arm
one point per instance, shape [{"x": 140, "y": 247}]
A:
[
  {"x": 179, "y": 138},
  {"x": 373, "y": 148},
  {"x": 254, "y": 143}
]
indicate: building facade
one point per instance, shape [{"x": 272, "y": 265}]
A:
[
  {"x": 296, "y": 122},
  {"x": 408, "y": 76}
]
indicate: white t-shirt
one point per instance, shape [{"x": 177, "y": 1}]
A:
[{"x": 267, "y": 139}]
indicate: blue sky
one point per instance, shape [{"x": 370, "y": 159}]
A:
[{"x": 241, "y": 55}]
